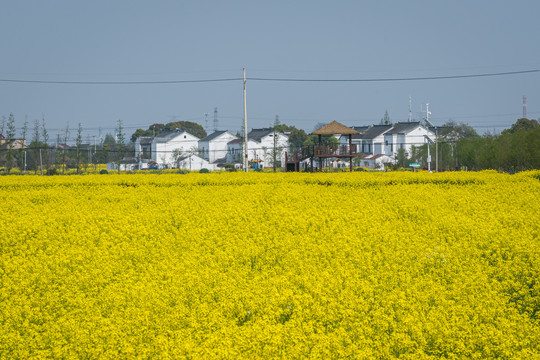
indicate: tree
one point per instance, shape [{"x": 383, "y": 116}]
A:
[
  {"x": 36, "y": 145},
  {"x": 276, "y": 149},
  {"x": 78, "y": 143},
  {"x": 3, "y": 125},
  {"x": 45, "y": 139},
  {"x": 66, "y": 138},
  {"x": 401, "y": 158},
  {"x": 522, "y": 125},
  {"x": 120, "y": 144},
  {"x": 297, "y": 137},
  {"x": 386, "y": 119},
  {"x": 154, "y": 129},
  {"x": 24, "y": 134},
  {"x": 10, "y": 135},
  {"x": 451, "y": 133}
]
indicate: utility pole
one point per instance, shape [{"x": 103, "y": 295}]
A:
[
  {"x": 245, "y": 126},
  {"x": 436, "y": 140},
  {"x": 275, "y": 136}
]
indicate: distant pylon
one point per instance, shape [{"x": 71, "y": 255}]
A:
[
  {"x": 410, "y": 109},
  {"x": 524, "y": 106},
  {"x": 215, "y": 120}
]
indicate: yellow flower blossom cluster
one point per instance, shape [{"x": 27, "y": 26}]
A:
[{"x": 262, "y": 265}]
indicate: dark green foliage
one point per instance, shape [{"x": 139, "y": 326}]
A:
[
  {"x": 154, "y": 129},
  {"x": 514, "y": 150},
  {"x": 204, "y": 171}
]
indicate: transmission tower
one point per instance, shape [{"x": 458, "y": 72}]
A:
[{"x": 215, "y": 120}]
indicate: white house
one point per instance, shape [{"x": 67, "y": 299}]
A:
[
  {"x": 143, "y": 150},
  {"x": 260, "y": 147},
  {"x": 214, "y": 146},
  {"x": 370, "y": 139},
  {"x": 168, "y": 144},
  {"x": 376, "y": 162},
  {"x": 193, "y": 162},
  {"x": 404, "y": 135}
]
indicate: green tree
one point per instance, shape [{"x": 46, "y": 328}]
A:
[
  {"x": 45, "y": 138},
  {"x": 24, "y": 134},
  {"x": 78, "y": 148},
  {"x": 449, "y": 136},
  {"x": 522, "y": 125},
  {"x": 191, "y": 127},
  {"x": 10, "y": 135},
  {"x": 401, "y": 158},
  {"x": 120, "y": 144},
  {"x": 66, "y": 138}
]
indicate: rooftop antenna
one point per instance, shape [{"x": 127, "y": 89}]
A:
[
  {"x": 215, "y": 119},
  {"x": 410, "y": 109},
  {"x": 436, "y": 142},
  {"x": 427, "y": 115},
  {"x": 524, "y": 106}
]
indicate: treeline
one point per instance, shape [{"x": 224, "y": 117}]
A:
[
  {"x": 32, "y": 151},
  {"x": 459, "y": 147}
]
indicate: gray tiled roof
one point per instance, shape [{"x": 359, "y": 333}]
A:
[
  {"x": 168, "y": 135},
  {"x": 214, "y": 135},
  {"x": 258, "y": 134},
  {"x": 403, "y": 127},
  {"x": 375, "y": 131},
  {"x": 145, "y": 140}
]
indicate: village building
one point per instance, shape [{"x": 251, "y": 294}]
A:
[
  {"x": 405, "y": 135},
  {"x": 169, "y": 145},
  {"x": 261, "y": 147},
  {"x": 213, "y": 148}
]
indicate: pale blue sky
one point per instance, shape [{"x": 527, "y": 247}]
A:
[{"x": 128, "y": 40}]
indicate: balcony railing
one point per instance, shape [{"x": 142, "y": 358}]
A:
[
  {"x": 321, "y": 151},
  {"x": 337, "y": 150}
]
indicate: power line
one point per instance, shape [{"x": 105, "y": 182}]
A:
[
  {"x": 117, "y": 82},
  {"x": 399, "y": 79},
  {"x": 446, "y": 77}
]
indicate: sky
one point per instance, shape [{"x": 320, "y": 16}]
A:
[{"x": 53, "y": 52}]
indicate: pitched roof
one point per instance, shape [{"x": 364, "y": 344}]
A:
[
  {"x": 214, "y": 135},
  {"x": 361, "y": 131},
  {"x": 334, "y": 128},
  {"x": 258, "y": 134},
  {"x": 375, "y": 131},
  {"x": 169, "y": 135},
  {"x": 403, "y": 127},
  {"x": 145, "y": 140}
]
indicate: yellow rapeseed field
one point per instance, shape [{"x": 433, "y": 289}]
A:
[{"x": 263, "y": 266}]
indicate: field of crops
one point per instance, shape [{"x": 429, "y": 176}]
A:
[{"x": 262, "y": 265}]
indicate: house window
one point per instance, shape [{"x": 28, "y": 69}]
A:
[{"x": 184, "y": 136}]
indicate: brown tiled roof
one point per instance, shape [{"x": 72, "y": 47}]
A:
[{"x": 334, "y": 128}]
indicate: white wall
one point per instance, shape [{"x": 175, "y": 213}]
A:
[
  {"x": 162, "y": 152},
  {"x": 216, "y": 149}
]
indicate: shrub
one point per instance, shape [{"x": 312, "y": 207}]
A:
[
  {"x": 204, "y": 171},
  {"x": 52, "y": 171},
  {"x": 103, "y": 172}
]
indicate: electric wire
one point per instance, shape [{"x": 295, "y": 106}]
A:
[{"x": 444, "y": 77}]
